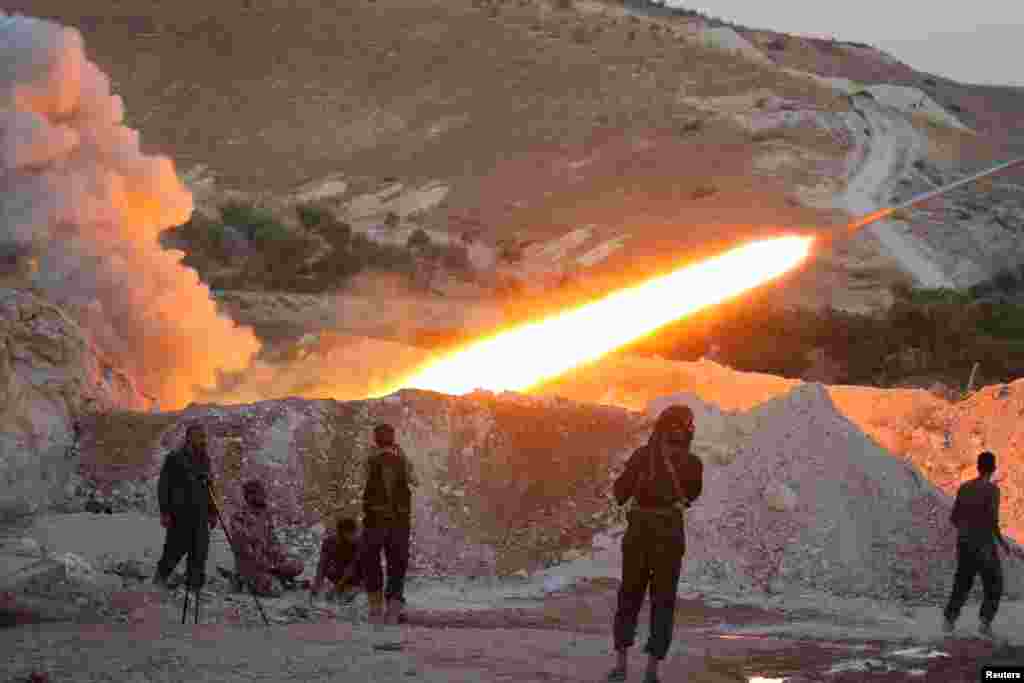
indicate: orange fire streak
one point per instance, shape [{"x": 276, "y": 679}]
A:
[{"x": 524, "y": 356}]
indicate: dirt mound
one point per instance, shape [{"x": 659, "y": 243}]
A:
[
  {"x": 507, "y": 481},
  {"x": 811, "y": 500},
  {"x": 940, "y": 439}
]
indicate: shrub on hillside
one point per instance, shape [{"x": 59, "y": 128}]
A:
[
  {"x": 205, "y": 242},
  {"x": 939, "y": 334},
  {"x": 315, "y": 217},
  {"x": 258, "y": 224},
  {"x": 323, "y": 257}
]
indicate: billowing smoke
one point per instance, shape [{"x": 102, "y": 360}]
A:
[{"x": 82, "y": 203}]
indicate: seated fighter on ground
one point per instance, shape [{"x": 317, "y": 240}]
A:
[
  {"x": 340, "y": 562},
  {"x": 260, "y": 558}
]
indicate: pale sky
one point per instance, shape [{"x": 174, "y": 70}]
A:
[{"x": 981, "y": 41}]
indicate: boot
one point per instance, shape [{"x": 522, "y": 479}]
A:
[
  {"x": 376, "y": 600},
  {"x": 394, "y": 611},
  {"x": 986, "y": 629}
]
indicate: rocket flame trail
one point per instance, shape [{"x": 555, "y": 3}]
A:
[
  {"x": 527, "y": 355},
  {"x": 931, "y": 194}
]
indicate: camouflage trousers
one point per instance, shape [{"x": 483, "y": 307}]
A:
[
  {"x": 652, "y": 559},
  {"x": 282, "y": 568}
]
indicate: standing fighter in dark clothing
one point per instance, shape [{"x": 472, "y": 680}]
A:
[
  {"x": 387, "y": 526},
  {"x": 976, "y": 518},
  {"x": 663, "y": 478},
  {"x": 185, "y": 509}
]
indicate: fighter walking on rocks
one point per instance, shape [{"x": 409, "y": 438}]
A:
[
  {"x": 663, "y": 478},
  {"x": 185, "y": 509}
]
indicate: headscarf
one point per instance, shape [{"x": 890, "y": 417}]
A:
[
  {"x": 674, "y": 417},
  {"x": 384, "y": 435}
]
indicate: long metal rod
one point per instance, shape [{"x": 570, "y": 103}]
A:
[
  {"x": 231, "y": 544},
  {"x": 931, "y": 194}
]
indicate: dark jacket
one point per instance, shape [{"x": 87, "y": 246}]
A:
[
  {"x": 182, "y": 488},
  {"x": 976, "y": 511},
  {"x": 387, "y": 497},
  {"x": 336, "y": 556},
  {"x": 648, "y": 480}
]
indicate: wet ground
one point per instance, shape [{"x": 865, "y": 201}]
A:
[
  {"x": 709, "y": 642},
  {"x": 567, "y": 638}
]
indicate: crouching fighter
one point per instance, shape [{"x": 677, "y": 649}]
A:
[{"x": 340, "y": 562}]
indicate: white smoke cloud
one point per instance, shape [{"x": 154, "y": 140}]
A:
[{"x": 77, "y": 193}]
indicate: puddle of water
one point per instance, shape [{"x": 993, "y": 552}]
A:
[
  {"x": 920, "y": 653},
  {"x": 859, "y": 665},
  {"x": 739, "y": 637}
]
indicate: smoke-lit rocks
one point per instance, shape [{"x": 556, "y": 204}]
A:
[
  {"x": 50, "y": 375},
  {"x": 78, "y": 194}
]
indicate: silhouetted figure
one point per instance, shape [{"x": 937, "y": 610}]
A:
[
  {"x": 185, "y": 509},
  {"x": 976, "y": 518},
  {"x": 387, "y": 523},
  {"x": 663, "y": 478}
]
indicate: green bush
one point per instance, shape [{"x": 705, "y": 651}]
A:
[
  {"x": 314, "y": 217},
  {"x": 296, "y": 261},
  {"x": 938, "y": 296},
  {"x": 258, "y": 224},
  {"x": 205, "y": 242},
  {"x": 1002, "y": 321}
]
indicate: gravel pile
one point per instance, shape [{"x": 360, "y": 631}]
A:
[{"x": 811, "y": 501}]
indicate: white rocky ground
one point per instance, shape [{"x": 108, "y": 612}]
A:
[{"x": 139, "y": 637}]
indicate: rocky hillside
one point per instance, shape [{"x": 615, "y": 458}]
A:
[{"x": 648, "y": 123}]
